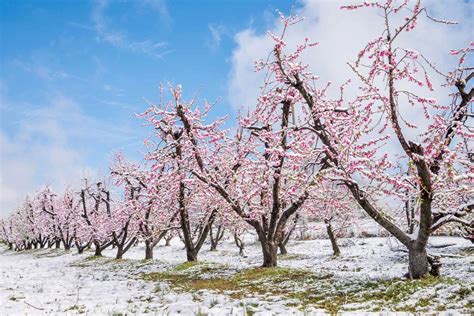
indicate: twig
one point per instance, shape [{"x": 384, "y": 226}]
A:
[
  {"x": 42, "y": 309},
  {"x": 442, "y": 246}
]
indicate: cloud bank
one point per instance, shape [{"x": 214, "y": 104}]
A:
[{"x": 342, "y": 34}]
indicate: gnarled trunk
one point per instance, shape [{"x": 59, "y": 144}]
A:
[
  {"x": 282, "y": 247},
  {"x": 148, "y": 250},
  {"x": 215, "y": 238},
  {"x": 418, "y": 265},
  {"x": 269, "y": 250},
  {"x": 80, "y": 247},
  {"x": 98, "y": 249},
  {"x": 332, "y": 238},
  {"x": 120, "y": 252},
  {"x": 239, "y": 243},
  {"x": 191, "y": 254}
]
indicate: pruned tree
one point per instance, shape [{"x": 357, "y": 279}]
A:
[
  {"x": 181, "y": 192},
  {"x": 355, "y": 136}
]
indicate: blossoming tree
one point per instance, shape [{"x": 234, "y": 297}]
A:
[{"x": 436, "y": 162}]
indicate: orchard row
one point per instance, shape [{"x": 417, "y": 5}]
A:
[{"x": 379, "y": 144}]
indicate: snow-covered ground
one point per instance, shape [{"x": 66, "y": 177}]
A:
[{"x": 55, "y": 282}]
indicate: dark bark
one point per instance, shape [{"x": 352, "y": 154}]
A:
[
  {"x": 332, "y": 237},
  {"x": 81, "y": 247},
  {"x": 168, "y": 240},
  {"x": 191, "y": 254},
  {"x": 67, "y": 243},
  {"x": 123, "y": 247},
  {"x": 286, "y": 238},
  {"x": 148, "y": 250},
  {"x": 120, "y": 252},
  {"x": 57, "y": 244},
  {"x": 122, "y": 241},
  {"x": 282, "y": 247},
  {"x": 217, "y": 237},
  {"x": 239, "y": 243},
  {"x": 418, "y": 265},
  {"x": 269, "y": 250},
  {"x": 98, "y": 249}
]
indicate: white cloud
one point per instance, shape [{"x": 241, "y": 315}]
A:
[
  {"x": 160, "y": 7},
  {"x": 40, "y": 70},
  {"x": 54, "y": 144},
  {"x": 341, "y": 35},
  {"x": 218, "y": 31},
  {"x": 38, "y": 153},
  {"x": 119, "y": 39}
]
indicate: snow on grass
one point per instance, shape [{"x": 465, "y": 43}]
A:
[{"x": 367, "y": 277}]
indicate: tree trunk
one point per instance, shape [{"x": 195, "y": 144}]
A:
[
  {"x": 418, "y": 265},
  {"x": 240, "y": 244},
  {"x": 80, "y": 249},
  {"x": 98, "y": 250},
  {"x": 332, "y": 238},
  {"x": 148, "y": 250},
  {"x": 119, "y": 254},
  {"x": 282, "y": 247},
  {"x": 191, "y": 254},
  {"x": 67, "y": 244},
  {"x": 215, "y": 238},
  {"x": 213, "y": 245},
  {"x": 168, "y": 241},
  {"x": 10, "y": 246},
  {"x": 57, "y": 244},
  {"x": 269, "y": 249}
]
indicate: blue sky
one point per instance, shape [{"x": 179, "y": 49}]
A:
[
  {"x": 72, "y": 73},
  {"x": 108, "y": 56}
]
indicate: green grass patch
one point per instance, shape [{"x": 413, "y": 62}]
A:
[
  {"x": 186, "y": 265},
  {"x": 307, "y": 288},
  {"x": 80, "y": 309}
]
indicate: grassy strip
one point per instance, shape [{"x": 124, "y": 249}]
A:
[{"x": 304, "y": 288}]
